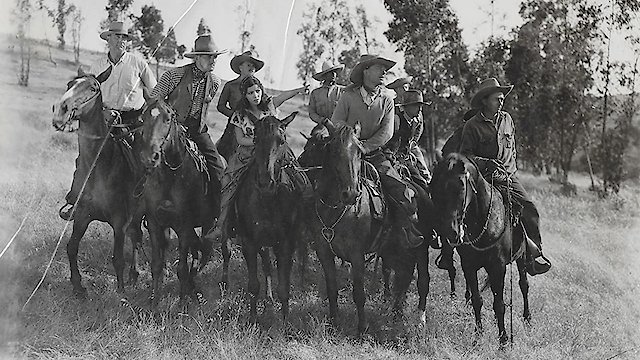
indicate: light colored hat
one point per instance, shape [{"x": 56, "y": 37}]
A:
[
  {"x": 399, "y": 82},
  {"x": 204, "y": 45},
  {"x": 327, "y": 68},
  {"x": 116, "y": 27},
  {"x": 486, "y": 88},
  {"x": 244, "y": 57},
  {"x": 365, "y": 62},
  {"x": 412, "y": 97}
]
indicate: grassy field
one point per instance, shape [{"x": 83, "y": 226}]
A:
[{"x": 586, "y": 308}]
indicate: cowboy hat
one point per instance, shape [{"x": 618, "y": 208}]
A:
[
  {"x": 327, "y": 68},
  {"x": 412, "y": 97},
  {"x": 486, "y": 88},
  {"x": 365, "y": 62},
  {"x": 204, "y": 45},
  {"x": 116, "y": 27},
  {"x": 399, "y": 82},
  {"x": 247, "y": 56}
]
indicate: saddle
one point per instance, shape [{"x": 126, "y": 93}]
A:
[{"x": 371, "y": 181}]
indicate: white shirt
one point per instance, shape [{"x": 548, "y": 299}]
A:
[{"x": 123, "y": 89}]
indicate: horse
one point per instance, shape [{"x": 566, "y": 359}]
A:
[
  {"x": 108, "y": 193},
  {"x": 268, "y": 210},
  {"x": 177, "y": 194},
  {"x": 343, "y": 224},
  {"x": 476, "y": 221}
]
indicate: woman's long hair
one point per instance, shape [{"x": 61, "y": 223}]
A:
[{"x": 243, "y": 104}]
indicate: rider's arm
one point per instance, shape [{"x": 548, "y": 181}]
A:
[
  {"x": 341, "y": 112},
  {"x": 224, "y": 100},
  {"x": 286, "y": 95},
  {"x": 384, "y": 132},
  {"x": 168, "y": 82},
  {"x": 469, "y": 139},
  {"x": 313, "y": 114}
]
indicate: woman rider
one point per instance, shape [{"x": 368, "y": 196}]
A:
[{"x": 253, "y": 106}]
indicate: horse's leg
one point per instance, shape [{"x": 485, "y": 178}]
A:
[
  {"x": 401, "y": 282},
  {"x": 225, "y": 246},
  {"x": 80, "y": 223},
  {"x": 134, "y": 233},
  {"x": 452, "y": 279},
  {"x": 359, "y": 296},
  {"x": 386, "y": 277},
  {"x": 266, "y": 269},
  {"x": 251, "y": 259},
  {"x": 158, "y": 243},
  {"x": 524, "y": 288},
  {"x": 187, "y": 239},
  {"x": 329, "y": 267},
  {"x": 471, "y": 278},
  {"x": 118, "y": 252},
  {"x": 496, "y": 279},
  {"x": 423, "y": 283},
  {"x": 303, "y": 255},
  {"x": 284, "y": 258}
]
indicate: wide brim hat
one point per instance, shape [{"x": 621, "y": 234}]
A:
[
  {"x": 486, "y": 88},
  {"x": 116, "y": 27},
  {"x": 365, "y": 62},
  {"x": 244, "y": 57},
  {"x": 327, "y": 68},
  {"x": 204, "y": 45},
  {"x": 413, "y": 97},
  {"x": 399, "y": 82}
]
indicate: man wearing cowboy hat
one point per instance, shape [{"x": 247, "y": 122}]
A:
[
  {"x": 324, "y": 99},
  {"x": 407, "y": 131},
  {"x": 364, "y": 106},
  {"x": 126, "y": 80},
  {"x": 400, "y": 86},
  {"x": 489, "y": 136},
  {"x": 189, "y": 89}
]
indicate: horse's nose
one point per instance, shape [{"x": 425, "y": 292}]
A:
[{"x": 155, "y": 157}]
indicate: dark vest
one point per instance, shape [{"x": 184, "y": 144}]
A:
[{"x": 181, "y": 101}]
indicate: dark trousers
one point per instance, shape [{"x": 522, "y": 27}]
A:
[
  {"x": 530, "y": 216},
  {"x": 215, "y": 164},
  {"x": 396, "y": 189}
]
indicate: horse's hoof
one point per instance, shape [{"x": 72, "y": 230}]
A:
[
  {"x": 527, "y": 320},
  {"x": 423, "y": 318},
  {"x": 504, "y": 340},
  {"x": 199, "y": 298},
  {"x": 453, "y": 296}
]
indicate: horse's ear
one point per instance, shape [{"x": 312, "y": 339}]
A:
[
  {"x": 286, "y": 121},
  {"x": 81, "y": 72}
]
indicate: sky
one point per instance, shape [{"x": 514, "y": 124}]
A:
[{"x": 270, "y": 19}]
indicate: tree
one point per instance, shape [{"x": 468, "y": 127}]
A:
[
  {"x": 22, "y": 16},
  {"x": 428, "y": 33},
  {"x": 365, "y": 29},
  {"x": 116, "y": 10},
  {"x": 203, "y": 28},
  {"x": 76, "y": 30},
  {"x": 246, "y": 27},
  {"x": 327, "y": 32},
  {"x": 152, "y": 42},
  {"x": 59, "y": 17}
]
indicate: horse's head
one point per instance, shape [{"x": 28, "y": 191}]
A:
[
  {"x": 157, "y": 119},
  {"x": 342, "y": 160},
  {"x": 453, "y": 189},
  {"x": 270, "y": 146},
  {"x": 82, "y": 95}
]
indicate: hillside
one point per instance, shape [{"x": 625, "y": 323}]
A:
[{"x": 585, "y": 308}]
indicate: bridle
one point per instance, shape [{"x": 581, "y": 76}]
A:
[
  {"x": 173, "y": 126},
  {"x": 73, "y": 112}
]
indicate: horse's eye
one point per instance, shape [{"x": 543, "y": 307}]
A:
[{"x": 64, "y": 108}]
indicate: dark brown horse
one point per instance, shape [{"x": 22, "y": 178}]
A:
[
  {"x": 474, "y": 219},
  {"x": 343, "y": 225},
  {"x": 107, "y": 195},
  {"x": 268, "y": 207},
  {"x": 177, "y": 195}
]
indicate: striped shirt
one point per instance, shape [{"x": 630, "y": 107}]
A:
[
  {"x": 123, "y": 88},
  {"x": 170, "y": 79}
]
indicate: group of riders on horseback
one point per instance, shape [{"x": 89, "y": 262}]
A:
[{"x": 387, "y": 129}]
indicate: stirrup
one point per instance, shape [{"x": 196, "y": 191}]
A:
[
  {"x": 535, "y": 267},
  {"x": 66, "y": 211}
]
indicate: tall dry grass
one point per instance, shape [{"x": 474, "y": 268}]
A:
[{"x": 585, "y": 308}]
